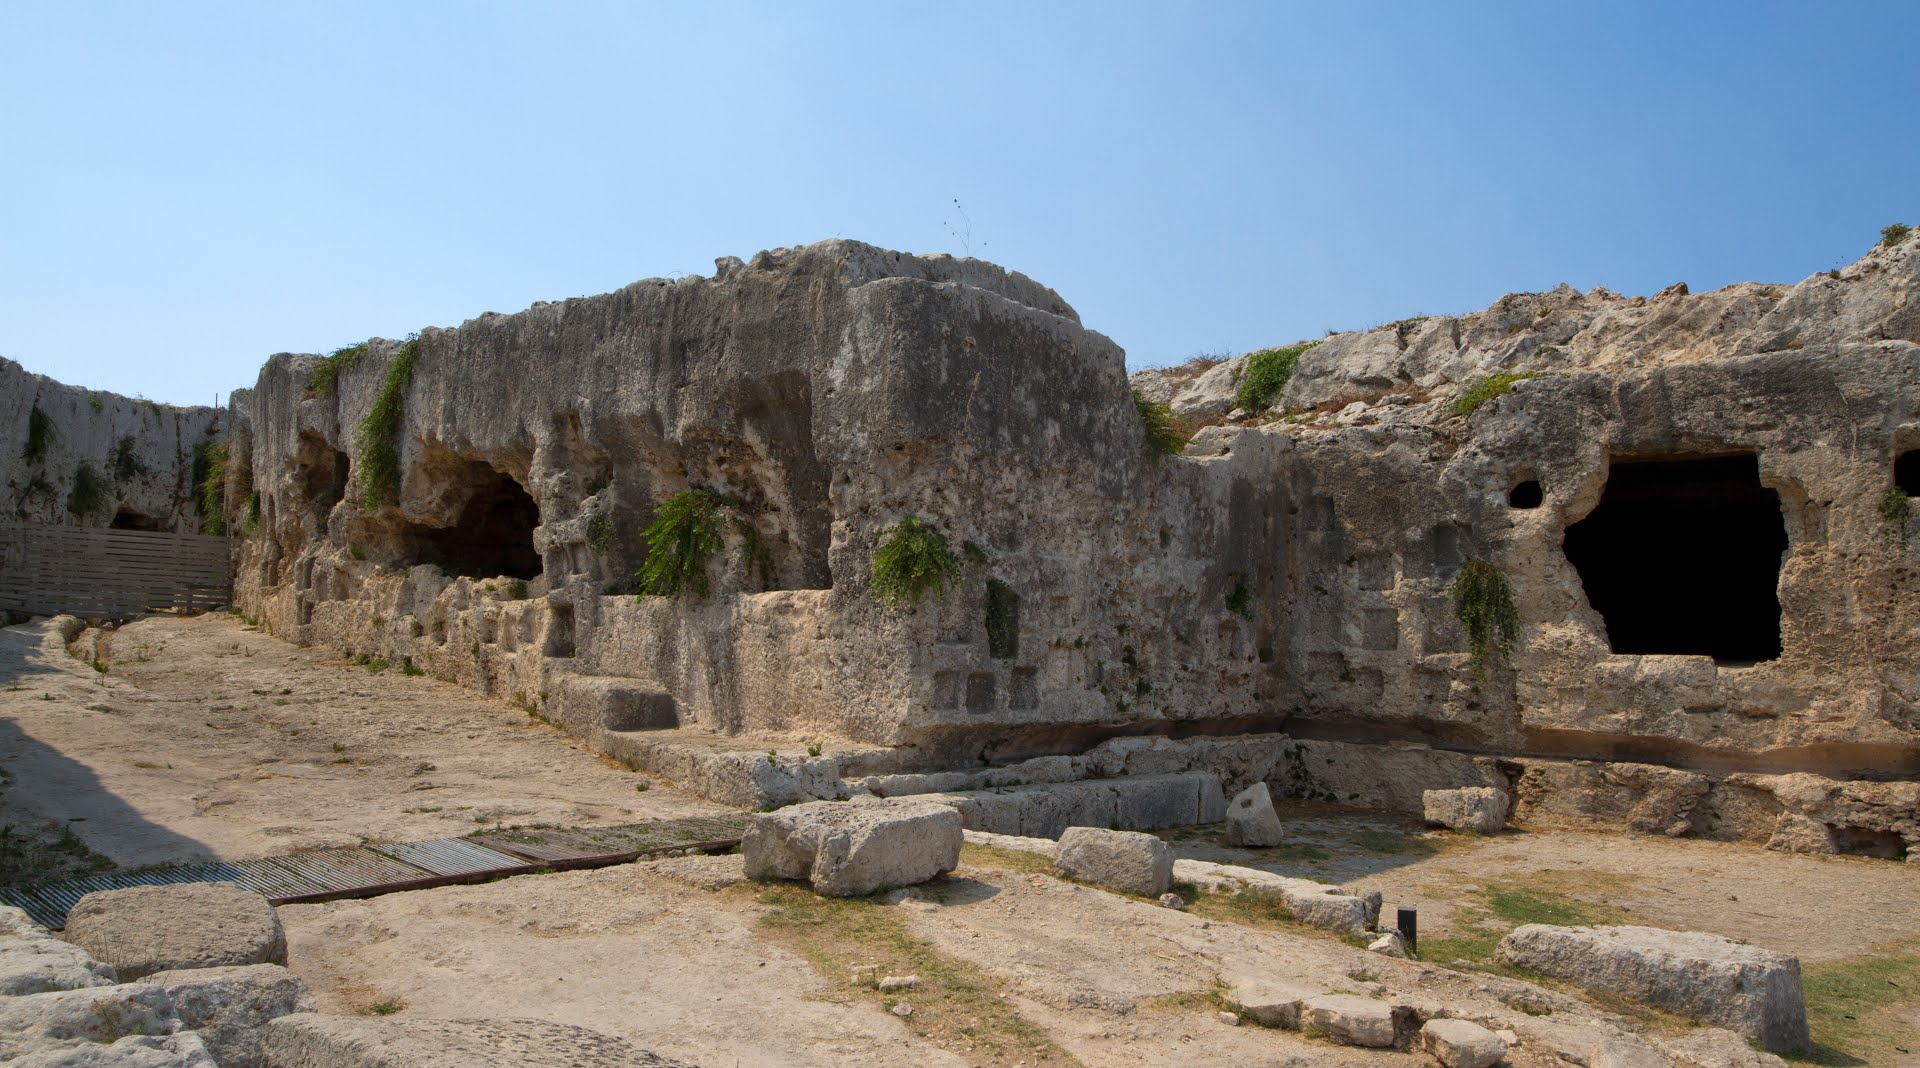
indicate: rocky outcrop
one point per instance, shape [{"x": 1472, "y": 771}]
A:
[
  {"x": 145, "y": 929},
  {"x": 82, "y": 457},
  {"x": 1753, "y": 991},
  {"x": 229, "y": 1008},
  {"x": 310, "y": 1041},
  {"x": 847, "y": 849}
]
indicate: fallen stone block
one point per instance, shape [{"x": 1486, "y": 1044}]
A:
[
  {"x": 1251, "y": 820},
  {"x": 1268, "y": 1002},
  {"x": 1314, "y": 904},
  {"x": 1350, "y": 1020},
  {"x": 182, "y": 1050},
  {"x": 230, "y": 1007},
  {"x": 1755, "y": 992},
  {"x": 57, "y": 1019},
  {"x": 307, "y": 1040},
  {"x": 1127, "y": 861},
  {"x": 145, "y": 929},
  {"x": 1475, "y": 809},
  {"x": 33, "y": 961},
  {"x": 1461, "y": 1044},
  {"x": 851, "y": 848},
  {"x": 1389, "y": 944}
]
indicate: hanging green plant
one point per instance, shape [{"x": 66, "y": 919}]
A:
[
  {"x": 41, "y": 433},
  {"x": 210, "y": 478},
  {"x": 687, "y": 529},
  {"x": 913, "y": 559},
  {"x": 1484, "y": 602},
  {"x": 1163, "y": 433},
  {"x": 379, "y": 438}
]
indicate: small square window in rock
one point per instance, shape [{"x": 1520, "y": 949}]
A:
[
  {"x": 1527, "y": 494},
  {"x": 1906, "y": 472}
]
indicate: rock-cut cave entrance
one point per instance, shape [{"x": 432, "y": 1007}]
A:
[
  {"x": 491, "y": 537},
  {"x": 1683, "y": 556}
]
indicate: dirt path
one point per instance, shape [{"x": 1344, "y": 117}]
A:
[{"x": 204, "y": 739}]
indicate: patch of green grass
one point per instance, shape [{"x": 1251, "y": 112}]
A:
[
  {"x": 979, "y": 856},
  {"x": 1267, "y": 373},
  {"x": 1894, "y": 234},
  {"x": 91, "y": 492},
  {"x": 385, "y": 1008},
  {"x": 956, "y": 1005},
  {"x": 1483, "y": 601},
  {"x": 41, "y": 434},
  {"x": 407, "y": 668},
  {"x": 1853, "y": 1006},
  {"x": 1392, "y": 843},
  {"x": 913, "y": 559},
  {"x": 1301, "y": 851},
  {"x": 1483, "y": 388},
  {"x": 1161, "y": 432},
  {"x": 326, "y": 373},
  {"x": 49, "y": 853},
  {"x": 379, "y": 437},
  {"x": 1478, "y": 927}
]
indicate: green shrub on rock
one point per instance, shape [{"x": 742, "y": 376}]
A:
[{"x": 913, "y": 559}]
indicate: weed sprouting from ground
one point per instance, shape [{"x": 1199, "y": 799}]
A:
[
  {"x": 955, "y": 1004},
  {"x": 1483, "y": 601},
  {"x": 379, "y": 437},
  {"x": 41, "y": 434},
  {"x": 1163, "y": 434},
  {"x": 687, "y": 529},
  {"x": 1483, "y": 388},
  {"x": 913, "y": 559},
  {"x": 1267, "y": 374}
]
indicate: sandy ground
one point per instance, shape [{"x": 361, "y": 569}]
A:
[{"x": 205, "y": 739}]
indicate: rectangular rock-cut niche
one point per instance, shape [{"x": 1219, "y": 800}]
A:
[
  {"x": 946, "y": 689},
  {"x": 1024, "y": 693},
  {"x": 982, "y": 689},
  {"x": 1376, "y": 571},
  {"x": 1379, "y": 629}
]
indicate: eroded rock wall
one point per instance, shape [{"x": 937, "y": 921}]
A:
[
  {"x": 832, "y": 390},
  {"x": 81, "y": 457}
]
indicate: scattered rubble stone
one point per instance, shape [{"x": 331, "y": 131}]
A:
[
  {"x": 1128, "y": 861},
  {"x": 850, "y": 848},
  {"x": 1461, "y": 1044},
  {"x": 1251, "y": 820}
]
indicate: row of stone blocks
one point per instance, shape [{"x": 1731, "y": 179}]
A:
[{"x": 1145, "y": 803}]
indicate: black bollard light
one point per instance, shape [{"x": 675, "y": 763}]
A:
[{"x": 1409, "y": 924}]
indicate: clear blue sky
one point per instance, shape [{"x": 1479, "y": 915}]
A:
[{"x": 188, "y": 188}]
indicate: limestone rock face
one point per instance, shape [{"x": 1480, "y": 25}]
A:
[
  {"x": 1461, "y": 1044},
  {"x": 1251, "y": 820},
  {"x": 140, "y": 454},
  {"x": 846, "y": 849},
  {"x": 1753, "y": 991},
  {"x": 1127, "y": 861},
  {"x": 72, "y": 1018},
  {"x": 182, "y": 1050},
  {"x": 311, "y": 1041},
  {"x": 145, "y": 929},
  {"x": 1476, "y": 809},
  {"x": 229, "y": 1007},
  {"x": 33, "y": 961}
]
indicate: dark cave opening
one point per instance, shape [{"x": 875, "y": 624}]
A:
[
  {"x": 1527, "y": 494},
  {"x": 1906, "y": 472},
  {"x": 128, "y": 519},
  {"x": 1683, "y": 556},
  {"x": 493, "y": 535}
]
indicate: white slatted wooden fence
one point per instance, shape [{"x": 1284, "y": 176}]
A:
[{"x": 98, "y": 573}]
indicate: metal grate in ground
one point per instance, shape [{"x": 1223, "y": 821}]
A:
[{"x": 368, "y": 871}]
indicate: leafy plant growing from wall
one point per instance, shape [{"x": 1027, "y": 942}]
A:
[
  {"x": 1483, "y": 601},
  {"x": 210, "y": 482},
  {"x": 1163, "y": 434},
  {"x": 1267, "y": 373},
  {"x": 90, "y": 493},
  {"x": 1896, "y": 509},
  {"x": 41, "y": 434},
  {"x": 600, "y": 533},
  {"x": 326, "y": 373},
  {"x": 687, "y": 529},
  {"x": 379, "y": 438},
  {"x": 1482, "y": 388},
  {"x": 913, "y": 559},
  {"x": 1240, "y": 600},
  {"x": 127, "y": 464},
  {"x": 252, "y": 521}
]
